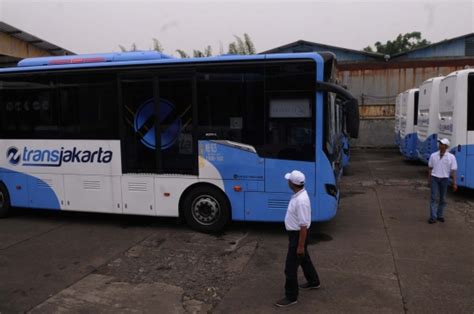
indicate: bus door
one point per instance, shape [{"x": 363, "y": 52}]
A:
[
  {"x": 290, "y": 145},
  {"x": 176, "y": 118},
  {"x": 139, "y": 162}
]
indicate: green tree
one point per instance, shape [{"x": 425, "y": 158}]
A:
[
  {"x": 400, "y": 44},
  {"x": 182, "y": 54},
  {"x": 242, "y": 46},
  {"x": 157, "y": 45},
  {"x": 132, "y": 48}
]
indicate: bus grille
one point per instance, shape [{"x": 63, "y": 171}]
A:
[
  {"x": 278, "y": 204},
  {"x": 91, "y": 185},
  {"x": 137, "y": 187}
]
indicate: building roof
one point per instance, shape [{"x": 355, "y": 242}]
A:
[
  {"x": 300, "y": 42},
  {"x": 433, "y": 45},
  {"x": 32, "y": 40}
]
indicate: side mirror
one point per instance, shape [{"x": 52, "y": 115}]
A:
[{"x": 351, "y": 109}]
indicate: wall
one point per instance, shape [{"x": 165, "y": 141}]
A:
[
  {"x": 14, "y": 47},
  {"x": 376, "y": 86}
]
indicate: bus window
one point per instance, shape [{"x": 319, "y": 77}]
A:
[
  {"x": 230, "y": 104},
  {"x": 138, "y": 107},
  {"x": 29, "y": 108},
  {"x": 415, "y": 109},
  {"x": 290, "y": 112},
  {"x": 470, "y": 102},
  {"x": 88, "y": 106},
  {"x": 178, "y": 147}
]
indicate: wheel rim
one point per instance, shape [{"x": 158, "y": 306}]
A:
[
  {"x": 206, "y": 210},
  {"x": 2, "y": 199}
]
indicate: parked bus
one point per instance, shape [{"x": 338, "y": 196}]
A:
[
  {"x": 408, "y": 122},
  {"x": 427, "y": 126},
  {"x": 205, "y": 139},
  {"x": 456, "y": 121},
  {"x": 398, "y": 103}
]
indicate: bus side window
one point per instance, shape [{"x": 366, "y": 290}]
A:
[
  {"x": 29, "y": 107},
  {"x": 88, "y": 105},
  {"x": 290, "y": 110},
  {"x": 230, "y": 103},
  {"x": 470, "y": 102}
]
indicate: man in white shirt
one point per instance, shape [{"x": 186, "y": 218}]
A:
[
  {"x": 297, "y": 223},
  {"x": 442, "y": 165}
]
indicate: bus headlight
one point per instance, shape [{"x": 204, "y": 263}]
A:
[{"x": 331, "y": 189}]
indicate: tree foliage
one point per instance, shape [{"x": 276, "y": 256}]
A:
[
  {"x": 182, "y": 54},
  {"x": 400, "y": 44},
  {"x": 240, "y": 46},
  {"x": 157, "y": 45}
]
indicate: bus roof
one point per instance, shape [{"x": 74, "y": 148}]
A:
[{"x": 103, "y": 60}]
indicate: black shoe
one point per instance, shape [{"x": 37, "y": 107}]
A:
[
  {"x": 309, "y": 286},
  {"x": 285, "y": 302},
  {"x": 440, "y": 219},
  {"x": 431, "y": 221}
]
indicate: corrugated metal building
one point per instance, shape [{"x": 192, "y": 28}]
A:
[
  {"x": 376, "y": 79},
  {"x": 16, "y": 44}
]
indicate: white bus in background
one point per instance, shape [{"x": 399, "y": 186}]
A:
[
  {"x": 408, "y": 121},
  {"x": 456, "y": 121},
  {"x": 428, "y": 121},
  {"x": 397, "y": 119}
]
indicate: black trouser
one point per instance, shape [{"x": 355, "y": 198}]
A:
[{"x": 292, "y": 263}]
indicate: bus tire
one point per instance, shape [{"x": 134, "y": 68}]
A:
[
  {"x": 206, "y": 209},
  {"x": 4, "y": 201}
]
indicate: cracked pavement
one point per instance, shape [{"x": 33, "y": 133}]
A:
[{"x": 377, "y": 255}]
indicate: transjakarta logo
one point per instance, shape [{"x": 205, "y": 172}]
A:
[{"x": 55, "y": 157}]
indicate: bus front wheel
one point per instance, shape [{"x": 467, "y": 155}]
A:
[
  {"x": 4, "y": 201},
  {"x": 206, "y": 209}
]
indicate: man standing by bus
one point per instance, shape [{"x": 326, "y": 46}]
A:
[
  {"x": 442, "y": 165},
  {"x": 297, "y": 223}
]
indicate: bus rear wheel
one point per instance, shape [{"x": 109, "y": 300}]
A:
[
  {"x": 4, "y": 201},
  {"x": 206, "y": 209}
]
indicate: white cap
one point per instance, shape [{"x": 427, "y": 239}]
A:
[
  {"x": 444, "y": 141},
  {"x": 295, "y": 177}
]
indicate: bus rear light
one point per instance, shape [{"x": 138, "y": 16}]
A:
[
  {"x": 166, "y": 194},
  {"x": 237, "y": 188},
  {"x": 76, "y": 60}
]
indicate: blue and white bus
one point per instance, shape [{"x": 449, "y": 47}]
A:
[
  {"x": 205, "y": 139},
  {"x": 428, "y": 121},
  {"x": 456, "y": 121},
  {"x": 408, "y": 122}
]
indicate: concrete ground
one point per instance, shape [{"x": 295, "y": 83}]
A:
[{"x": 378, "y": 255}]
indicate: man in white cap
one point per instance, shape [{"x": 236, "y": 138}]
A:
[
  {"x": 297, "y": 223},
  {"x": 442, "y": 165}
]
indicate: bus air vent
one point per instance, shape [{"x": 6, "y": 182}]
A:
[
  {"x": 137, "y": 187},
  {"x": 278, "y": 204},
  {"x": 91, "y": 185}
]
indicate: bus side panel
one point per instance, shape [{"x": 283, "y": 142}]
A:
[
  {"x": 46, "y": 191},
  {"x": 17, "y": 186},
  {"x": 261, "y": 206},
  {"x": 91, "y": 193},
  {"x": 168, "y": 191},
  {"x": 327, "y": 204},
  {"x": 461, "y": 159},
  {"x": 235, "y": 167},
  {"x": 469, "y": 179}
]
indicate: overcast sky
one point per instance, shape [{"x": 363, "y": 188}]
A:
[{"x": 101, "y": 25}]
